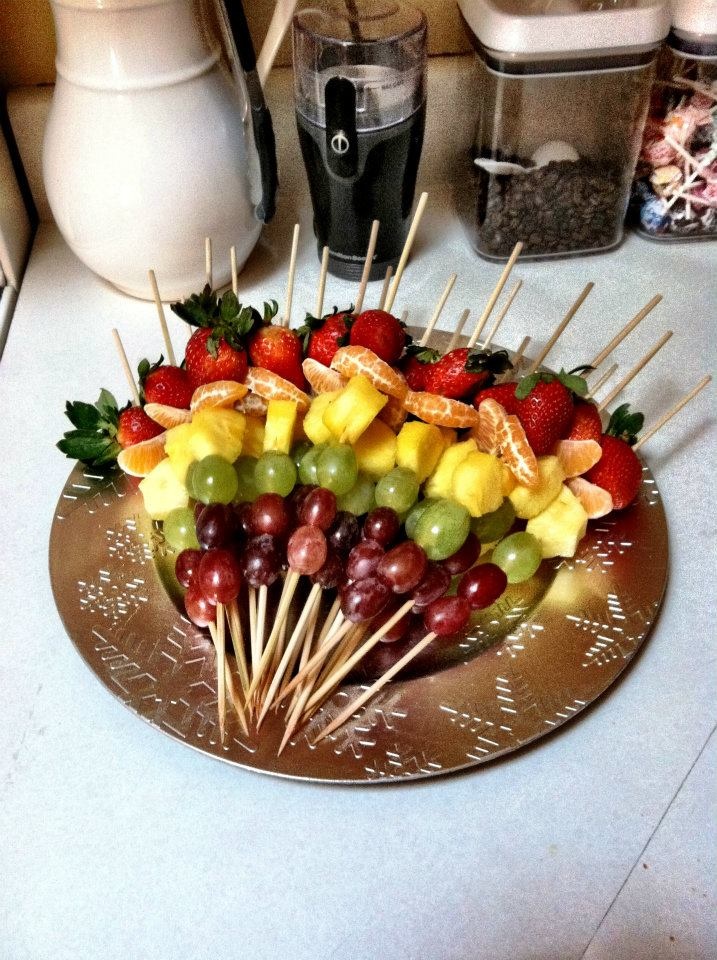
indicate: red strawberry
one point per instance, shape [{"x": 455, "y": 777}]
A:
[
  {"x": 135, "y": 426},
  {"x": 503, "y": 393},
  {"x": 380, "y": 332},
  {"x": 208, "y": 359},
  {"x": 416, "y": 364},
  {"x": 618, "y": 471},
  {"x": 450, "y": 377},
  {"x": 546, "y": 414},
  {"x": 324, "y": 336},
  {"x": 586, "y": 423},
  {"x": 165, "y": 384},
  {"x": 278, "y": 349}
]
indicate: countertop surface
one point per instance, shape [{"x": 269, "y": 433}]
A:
[{"x": 597, "y": 842}]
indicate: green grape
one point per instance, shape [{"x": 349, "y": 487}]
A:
[
  {"x": 518, "y": 556},
  {"x": 415, "y": 514},
  {"x": 298, "y": 453},
  {"x": 275, "y": 473},
  {"x": 246, "y": 492},
  {"x": 189, "y": 480},
  {"x": 214, "y": 480},
  {"x": 336, "y": 468},
  {"x": 492, "y": 526},
  {"x": 179, "y": 529},
  {"x": 442, "y": 529},
  {"x": 360, "y": 499},
  {"x": 308, "y": 465},
  {"x": 397, "y": 490}
]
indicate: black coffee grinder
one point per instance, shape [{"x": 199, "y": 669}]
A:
[{"x": 359, "y": 82}]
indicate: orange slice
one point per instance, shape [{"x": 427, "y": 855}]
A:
[
  {"x": 517, "y": 453},
  {"x": 322, "y": 379},
  {"x": 595, "y": 501},
  {"x": 393, "y": 414},
  {"x": 141, "y": 458},
  {"x": 577, "y": 456},
  {"x": 219, "y": 393},
  {"x": 442, "y": 411},
  {"x": 491, "y": 416},
  {"x": 252, "y": 405},
  {"x": 271, "y": 386},
  {"x": 352, "y": 361},
  {"x": 167, "y": 416}
]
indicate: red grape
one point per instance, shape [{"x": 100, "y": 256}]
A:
[
  {"x": 306, "y": 550},
  {"x": 381, "y": 525},
  {"x": 364, "y": 599},
  {"x": 185, "y": 566},
  {"x": 403, "y": 567},
  {"x": 261, "y": 561},
  {"x": 219, "y": 576},
  {"x": 216, "y": 526},
  {"x": 463, "y": 558},
  {"x": 482, "y": 585},
  {"x": 436, "y": 580},
  {"x": 363, "y": 559},
  {"x": 331, "y": 573},
  {"x": 446, "y": 616},
  {"x": 318, "y": 508},
  {"x": 269, "y": 514},
  {"x": 343, "y": 532},
  {"x": 398, "y": 630},
  {"x": 199, "y": 609},
  {"x": 243, "y": 519}
]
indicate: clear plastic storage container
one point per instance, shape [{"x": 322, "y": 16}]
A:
[
  {"x": 675, "y": 191},
  {"x": 562, "y": 94}
]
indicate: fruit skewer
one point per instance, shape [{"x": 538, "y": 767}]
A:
[
  {"x": 162, "y": 318},
  {"x": 493, "y": 298},
  {"x": 462, "y": 320},
  {"x": 560, "y": 329},
  {"x": 672, "y": 411},
  {"x": 370, "y": 251},
  {"x": 438, "y": 310},
  {"x": 320, "y": 290},
  {"x": 234, "y": 270},
  {"x": 406, "y": 252},
  {"x": 208, "y": 267},
  {"x": 384, "y": 289},
  {"x": 600, "y": 357},
  {"x": 593, "y": 389},
  {"x": 286, "y": 317},
  {"x": 502, "y": 315},
  {"x": 631, "y": 374}
]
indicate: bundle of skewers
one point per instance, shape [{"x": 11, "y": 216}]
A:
[{"x": 339, "y": 487}]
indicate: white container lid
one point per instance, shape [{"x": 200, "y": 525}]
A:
[
  {"x": 696, "y": 17},
  {"x": 528, "y": 27}
]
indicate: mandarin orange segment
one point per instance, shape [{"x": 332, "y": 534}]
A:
[
  {"x": 252, "y": 405},
  {"x": 167, "y": 416},
  {"x": 517, "y": 453},
  {"x": 577, "y": 456},
  {"x": 219, "y": 393},
  {"x": 322, "y": 379},
  {"x": 271, "y": 386},
  {"x": 393, "y": 414},
  {"x": 141, "y": 458},
  {"x": 491, "y": 416},
  {"x": 353, "y": 361},
  {"x": 595, "y": 501},
  {"x": 442, "y": 411}
]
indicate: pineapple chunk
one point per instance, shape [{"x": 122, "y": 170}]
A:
[
  {"x": 253, "y": 442},
  {"x": 530, "y": 501},
  {"x": 561, "y": 526},
  {"x": 448, "y": 436},
  {"x": 217, "y": 431},
  {"x": 508, "y": 481},
  {"x": 477, "y": 483},
  {"x": 375, "y": 450},
  {"x": 314, "y": 420},
  {"x": 357, "y": 404},
  {"x": 176, "y": 446},
  {"x": 440, "y": 482},
  {"x": 418, "y": 447},
  {"x": 280, "y": 421},
  {"x": 163, "y": 491}
]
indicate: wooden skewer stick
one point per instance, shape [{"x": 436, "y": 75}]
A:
[
  {"x": 235, "y": 272},
  {"x": 635, "y": 370},
  {"x": 339, "y": 658},
  {"x": 437, "y": 312},
  {"x": 237, "y": 636},
  {"x": 253, "y": 646},
  {"x": 672, "y": 411},
  {"x": 370, "y": 251},
  {"x": 322, "y": 282},
  {"x": 518, "y": 361},
  {"x": 234, "y": 697},
  {"x": 208, "y": 262},
  {"x": 603, "y": 379},
  {"x": 162, "y": 318},
  {"x": 304, "y": 690},
  {"x": 626, "y": 330},
  {"x": 404, "y": 317},
  {"x": 384, "y": 288},
  {"x": 219, "y": 645},
  {"x": 459, "y": 329},
  {"x": 561, "y": 327},
  {"x": 375, "y": 687},
  {"x": 287, "y": 593},
  {"x": 306, "y": 649},
  {"x": 126, "y": 367},
  {"x": 323, "y": 651},
  {"x": 501, "y": 316},
  {"x": 286, "y": 322},
  {"x": 406, "y": 252},
  {"x": 497, "y": 290}
]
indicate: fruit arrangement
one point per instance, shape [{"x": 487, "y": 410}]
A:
[{"x": 400, "y": 488}]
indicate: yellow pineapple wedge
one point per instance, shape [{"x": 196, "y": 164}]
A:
[
  {"x": 418, "y": 447},
  {"x": 280, "y": 423},
  {"x": 177, "y": 449},
  {"x": 163, "y": 491},
  {"x": 348, "y": 414},
  {"x": 253, "y": 441},
  {"x": 217, "y": 431},
  {"x": 440, "y": 482},
  {"x": 477, "y": 483},
  {"x": 561, "y": 526},
  {"x": 375, "y": 450},
  {"x": 530, "y": 501},
  {"x": 314, "y": 426}
]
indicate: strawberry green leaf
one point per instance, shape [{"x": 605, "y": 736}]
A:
[
  {"x": 574, "y": 383},
  {"x": 199, "y": 310},
  {"x": 480, "y": 361},
  {"x": 422, "y": 354},
  {"x": 270, "y": 310},
  {"x": 229, "y": 307},
  {"x": 107, "y": 406},
  {"x": 88, "y": 447},
  {"x": 526, "y": 385},
  {"x": 624, "y": 424},
  {"x": 84, "y": 416},
  {"x": 213, "y": 345},
  {"x": 583, "y": 368}
]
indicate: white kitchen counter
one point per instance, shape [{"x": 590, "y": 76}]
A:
[{"x": 597, "y": 842}]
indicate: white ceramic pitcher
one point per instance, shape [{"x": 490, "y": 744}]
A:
[{"x": 158, "y": 137}]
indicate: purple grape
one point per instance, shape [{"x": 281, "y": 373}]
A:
[
  {"x": 269, "y": 514},
  {"x": 482, "y": 585},
  {"x": 306, "y": 550},
  {"x": 446, "y": 616},
  {"x": 403, "y": 567},
  {"x": 261, "y": 561},
  {"x": 436, "y": 580},
  {"x": 318, "y": 508},
  {"x": 344, "y": 532},
  {"x": 216, "y": 526},
  {"x": 363, "y": 559},
  {"x": 330, "y": 574},
  {"x": 464, "y": 558},
  {"x": 381, "y": 525},
  {"x": 364, "y": 599}
]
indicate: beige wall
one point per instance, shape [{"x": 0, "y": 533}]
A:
[{"x": 27, "y": 39}]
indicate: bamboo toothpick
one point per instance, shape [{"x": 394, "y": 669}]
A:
[
  {"x": 217, "y": 634},
  {"x": 370, "y": 251},
  {"x": 384, "y": 288},
  {"x": 672, "y": 411},
  {"x": 603, "y": 379},
  {"x": 208, "y": 262},
  {"x": 323, "y": 651},
  {"x": 234, "y": 697},
  {"x": 322, "y": 282},
  {"x": 286, "y": 322},
  {"x": 237, "y": 636},
  {"x": 437, "y": 312},
  {"x": 287, "y": 593},
  {"x": 375, "y": 687},
  {"x": 497, "y": 290},
  {"x": 126, "y": 367},
  {"x": 162, "y": 318},
  {"x": 501, "y": 316},
  {"x": 635, "y": 370},
  {"x": 626, "y": 330},
  {"x": 235, "y": 272},
  {"x": 518, "y": 360},
  {"x": 459, "y": 329},
  {"x": 561, "y": 327},
  {"x": 405, "y": 253}
]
